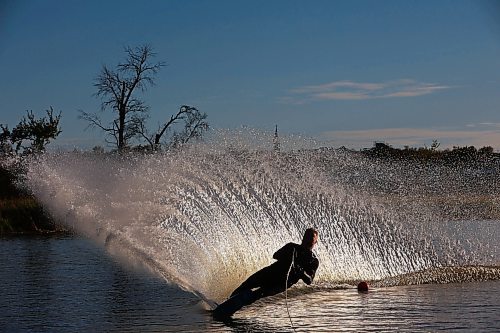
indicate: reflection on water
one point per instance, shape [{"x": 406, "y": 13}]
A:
[
  {"x": 69, "y": 285},
  {"x": 427, "y": 308}
]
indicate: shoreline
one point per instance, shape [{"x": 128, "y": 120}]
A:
[
  {"x": 20, "y": 213},
  {"x": 24, "y": 216}
]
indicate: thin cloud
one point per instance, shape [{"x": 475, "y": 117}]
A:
[
  {"x": 484, "y": 125},
  {"x": 332, "y": 86},
  {"x": 350, "y": 90},
  {"x": 341, "y": 95}
]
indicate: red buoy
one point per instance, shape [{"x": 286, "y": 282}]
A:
[{"x": 363, "y": 286}]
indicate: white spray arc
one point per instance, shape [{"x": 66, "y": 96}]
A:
[{"x": 206, "y": 218}]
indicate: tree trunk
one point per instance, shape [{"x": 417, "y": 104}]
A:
[
  {"x": 121, "y": 120},
  {"x": 121, "y": 128}
]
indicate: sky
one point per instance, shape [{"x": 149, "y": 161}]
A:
[{"x": 342, "y": 72}]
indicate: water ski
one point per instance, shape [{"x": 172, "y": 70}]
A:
[{"x": 226, "y": 309}]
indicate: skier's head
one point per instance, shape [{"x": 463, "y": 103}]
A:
[{"x": 310, "y": 238}]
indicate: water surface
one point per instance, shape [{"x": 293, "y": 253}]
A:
[{"x": 71, "y": 285}]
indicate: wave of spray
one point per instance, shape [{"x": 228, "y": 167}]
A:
[{"x": 210, "y": 215}]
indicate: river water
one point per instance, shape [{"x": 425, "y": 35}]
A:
[{"x": 68, "y": 284}]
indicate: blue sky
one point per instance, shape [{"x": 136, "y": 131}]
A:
[{"x": 345, "y": 72}]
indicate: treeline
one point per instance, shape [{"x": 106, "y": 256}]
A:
[{"x": 466, "y": 154}]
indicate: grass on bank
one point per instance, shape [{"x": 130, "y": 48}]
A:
[
  {"x": 20, "y": 213},
  {"x": 23, "y": 215}
]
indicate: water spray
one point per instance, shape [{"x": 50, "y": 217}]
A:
[{"x": 199, "y": 212}]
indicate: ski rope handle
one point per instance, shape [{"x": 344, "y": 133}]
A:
[{"x": 286, "y": 289}]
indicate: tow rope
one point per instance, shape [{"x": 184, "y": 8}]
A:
[{"x": 286, "y": 289}]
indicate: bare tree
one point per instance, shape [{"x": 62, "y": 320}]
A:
[
  {"x": 118, "y": 90},
  {"x": 194, "y": 126}
]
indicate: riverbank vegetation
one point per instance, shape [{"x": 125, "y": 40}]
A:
[
  {"x": 467, "y": 154},
  {"x": 20, "y": 212}
]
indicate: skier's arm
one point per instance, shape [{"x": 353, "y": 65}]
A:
[
  {"x": 285, "y": 253},
  {"x": 309, "y": 273}
]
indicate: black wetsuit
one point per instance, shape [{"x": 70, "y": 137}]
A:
[{"x": 271, "y": 279}]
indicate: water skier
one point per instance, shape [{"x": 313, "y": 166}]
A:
[{"x": 294, "y": 262}]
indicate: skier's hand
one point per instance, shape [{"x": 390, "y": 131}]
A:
[{"x": 306, "y": 278}]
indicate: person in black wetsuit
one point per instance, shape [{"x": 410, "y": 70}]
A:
[{"x": 271, "y": 279}]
